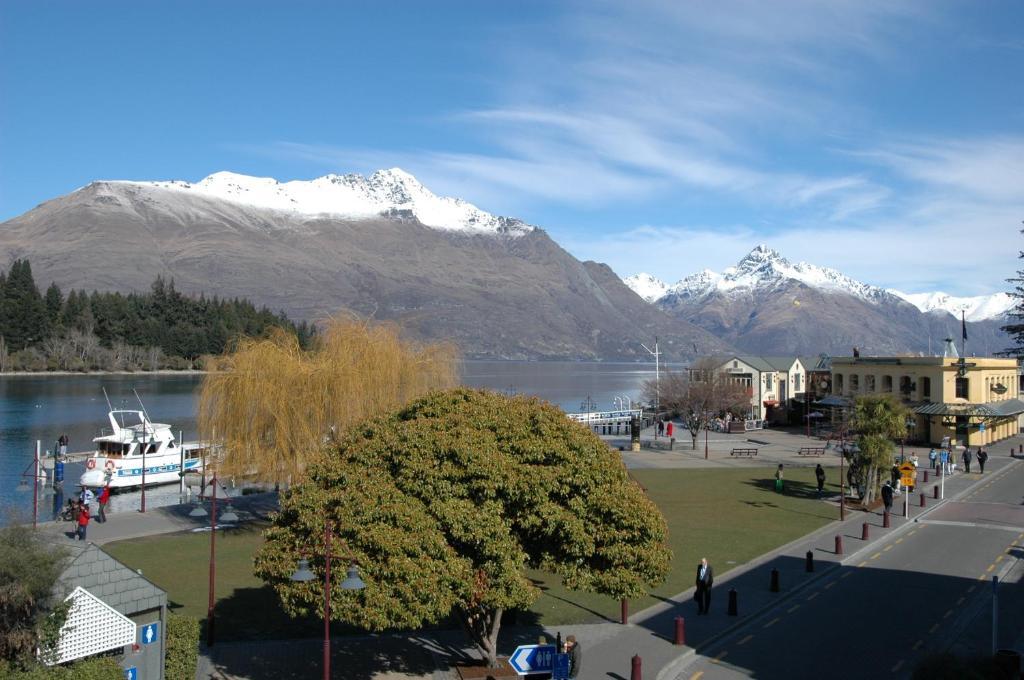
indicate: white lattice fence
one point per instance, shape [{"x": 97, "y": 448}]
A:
[{"x": 92, "y": 627}]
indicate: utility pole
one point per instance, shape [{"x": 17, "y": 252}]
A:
[{"x": 657, "y": 380}]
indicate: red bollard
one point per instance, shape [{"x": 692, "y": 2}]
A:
[
  {"x": 935, "y": 491},
  {"x": 886, "y": 523},
  {"x": 839, "y": 545},
  {"x": 864, "y": 531},
  {"x": 680, "y": 631},
  {"x": 624, "y": 606},
  {"x": 926, "y": 476},
  {"x": 922, "y": 500},
  {"x": 637, "y": 672}
]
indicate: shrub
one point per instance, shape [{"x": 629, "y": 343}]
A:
[
  {"x": 182, "y": 647},
  {"x": 104, "y": 668}
]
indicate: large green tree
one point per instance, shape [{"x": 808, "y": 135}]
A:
[
  {"x": 445, "y": 503},
  {"x": 878, "y": 420},
  {"x": 1016, "y": 329}
]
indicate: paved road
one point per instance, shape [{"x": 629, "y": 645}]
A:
[{"x": 924, "y": 589}]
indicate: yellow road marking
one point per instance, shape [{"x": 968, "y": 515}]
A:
[
  {"x": 887, "y": 548},
  {"x": 829, "y": 585},
  {"x": 793, "y": 609},
  {"x": 961, "y": 600},
  {"x": 811, "y": 597},
  {"x": 876, "y": 555},
  {"x": 971, "y": 589},
  {"x": 899, "y": 540},
  {"x": 719, "y": 657},
  {"x": 990, "y": 569},
  {"x": 847, "y": 574},
  {"x": 982, "y": 577},
  {"x": 898, "y": 666},
  {"x": 697, "y": 675},
  {"x": 772, "y": 622},
  {"x": 947, "y": 614},
  {"x": 911, "y": 532},
  {"x": 862, "y": 563},
  {"x": 933, "y": 629},
  {"x": 745, "y": 640},
  {"x": 918, "y": 645},
  {"x": 999, "y": 558}
]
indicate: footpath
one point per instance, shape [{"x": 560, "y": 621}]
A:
[{"x": 607, "y": 647}]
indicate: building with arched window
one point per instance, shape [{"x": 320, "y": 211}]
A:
[{"x": 973, "y": 401}]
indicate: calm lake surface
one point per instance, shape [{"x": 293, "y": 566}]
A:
[{"x": 41, "y": 407}]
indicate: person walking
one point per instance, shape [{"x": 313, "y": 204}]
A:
[
  {"x": 778, "y": 479},
  {"x": 83, "y": 520},
  {"x": 104, "y": 498},
  {"x": 967, "y": 460},
  {"x": 86, "y": 496},
  {"x": 982, "y": 457},
  {"x": 887, "y": 496},
  {"x": 819, "y": 475},
  {"x": 705, "y": 579},
  {"x": 572, "y": 648},
  {"x": 63, "y": 442},
  {"x": 933, "y": 460}
]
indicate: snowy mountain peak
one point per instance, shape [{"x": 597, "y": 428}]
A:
[
  {"x": 763, "y": 268},
  {"x": 392, "y": 193},
  {"x": 975, "y": 308}
]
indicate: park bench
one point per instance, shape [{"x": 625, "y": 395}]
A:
[
  {"x": 743, "y": 452},
  {"x": 811, "y": 451}
]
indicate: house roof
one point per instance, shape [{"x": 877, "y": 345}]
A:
[
  {"x": 120, "y": 587},
  {"x": 763, "y": 364}
]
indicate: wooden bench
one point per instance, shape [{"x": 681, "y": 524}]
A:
[
  {"x": 811, "y": 451},
  {"x": 743, "y": 452}
]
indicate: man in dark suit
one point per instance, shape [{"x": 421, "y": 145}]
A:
[
  {"x": 887, "y": 496},
  {"x": 705, "y": 577}
]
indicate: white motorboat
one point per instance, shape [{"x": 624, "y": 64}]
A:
[{"x": 134, "y": 443}]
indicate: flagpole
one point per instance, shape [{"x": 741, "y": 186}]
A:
[{"x": 963, "y": 329}]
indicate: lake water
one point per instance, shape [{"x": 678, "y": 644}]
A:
[{"x": 41, "y": 407}]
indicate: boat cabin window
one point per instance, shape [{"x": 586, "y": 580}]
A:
[
  {"x": 152, "y": 448},
  {"x": 113, "y": 449}
]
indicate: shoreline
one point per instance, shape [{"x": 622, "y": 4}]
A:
[{"x": 162, "y": 371}]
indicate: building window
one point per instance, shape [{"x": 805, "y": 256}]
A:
[
  {"x": 854, "y": 382},
  {"x": 887, "y": 383},
  {"x": 839, "y": 383},
  {"x": 926, "y": 387},
  {"x": 735, "y": 364},
  {"x": 768, "y": 382},
  {"x": 796, "y": 382},
  {"x": 869, "y": 383},
  {"x": 962, "y": 385}
]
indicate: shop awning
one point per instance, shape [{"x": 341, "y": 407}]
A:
[
  {"x": 833, "y": 401},
  {"x": 993, "y": 409}
]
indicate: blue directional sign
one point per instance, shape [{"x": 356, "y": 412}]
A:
[
  {"x": 149, "y": 633},
  {"x": 131, "y": 673},
  {"x": 533, "y": 659},
  {"x": 561, "y": 669}
]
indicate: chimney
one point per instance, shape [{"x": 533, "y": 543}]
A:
[{"x": 949, "y": 349}]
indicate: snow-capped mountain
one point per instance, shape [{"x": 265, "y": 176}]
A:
[
  {"x": 646, "y": 286},
  {"x": 391, "y": 192},
  {"x": 976, "y": 308},
  {"x": 764, "y": 268}
]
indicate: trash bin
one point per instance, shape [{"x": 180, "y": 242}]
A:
[
  {"x": 1008, "y": 661},
  {"x": 58, "y": 471}
]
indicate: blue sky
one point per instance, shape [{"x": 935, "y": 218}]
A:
[{"x": 882, "y": 139}]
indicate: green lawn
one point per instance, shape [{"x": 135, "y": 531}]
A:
[{"x": 729, "y": 515}]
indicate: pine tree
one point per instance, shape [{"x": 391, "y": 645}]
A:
[
  {"x": 25, "y": 322},
  {"x": 1016, "y": 330}
]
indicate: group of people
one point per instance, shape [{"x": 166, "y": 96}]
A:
[
  {"x": 942, "y": 462},
  {"x": 85, "y": 500}
]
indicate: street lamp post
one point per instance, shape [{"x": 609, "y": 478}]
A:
[
  {"x": 35, "y": 476},
  {"x": 228, "y": 516},
  {"x": 657, "y": 380},
  {"x": 351, "y": 582}
]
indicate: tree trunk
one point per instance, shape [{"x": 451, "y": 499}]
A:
[
  {"x": 694, "y": 437},
  {"x": 483, "y": 626}
]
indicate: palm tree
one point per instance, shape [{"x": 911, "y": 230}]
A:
[{"x": 878, "y": 420}]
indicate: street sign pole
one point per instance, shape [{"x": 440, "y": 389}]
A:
[{"x": 995, "y": 613}]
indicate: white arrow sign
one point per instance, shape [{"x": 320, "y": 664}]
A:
[{"x": 532, "y": 659}]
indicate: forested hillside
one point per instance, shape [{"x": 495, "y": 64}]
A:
[{"x": 111, "y": 331}]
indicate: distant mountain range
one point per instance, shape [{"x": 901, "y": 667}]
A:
[
  {"x": 766, "y": 302},
  {"x": 381, "y": 246}
]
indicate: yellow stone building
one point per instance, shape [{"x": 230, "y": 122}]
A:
[{"x": 973, "y": 401}]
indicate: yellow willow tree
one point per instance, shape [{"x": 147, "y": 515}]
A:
[{"x": 272, "y": 405}]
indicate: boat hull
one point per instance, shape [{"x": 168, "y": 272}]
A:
[{"x": 126, "y": 474}]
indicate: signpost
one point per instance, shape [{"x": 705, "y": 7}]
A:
[
  {"x": 908, "y": 478},
  {"x": 528, "y": 659},
  {"x": 561, "y": 669}
]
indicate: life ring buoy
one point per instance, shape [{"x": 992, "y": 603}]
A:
[
  {"x": 109, "y": 465},
  {"x": 91, "y": 463}
]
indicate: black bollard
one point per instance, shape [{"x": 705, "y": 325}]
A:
[
  {"x": 558, "y": 643},
  {"x": 839, "y": 545},
  {"x": 733, "y": 609},
  {"x": 809, "y": 562},
  {"x": 935, "y": 491},
  {"x": 926, "y": 476},
  {"x": 922, "y": 500},
  {"x": 886, "y": 522},
  {"x": 775, "y": 581},
  {"x": 864, "y": 531},
  {"x": 624, "y": 611}
]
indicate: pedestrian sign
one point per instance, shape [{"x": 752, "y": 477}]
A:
[
  {"x": 528, "y": 659},
  {"x": 131, "y": 673},
  {"x": 561, "y": 669},
  {"x": 908, "y": 474},
  {"x": 149, "y": 633}
]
